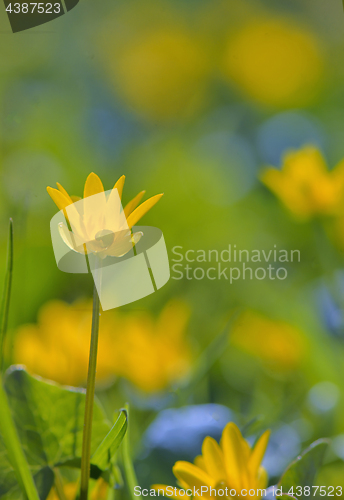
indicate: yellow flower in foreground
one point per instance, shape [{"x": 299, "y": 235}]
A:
[
  {"x": 275, "y": 62},
  {"x": 305, "y": 185},
  {"x": 99, "y": 222},
  {"x": 279, "y": 345},
  {"x": 233, "y": 465},
  {"x": 151, "y": 353}
]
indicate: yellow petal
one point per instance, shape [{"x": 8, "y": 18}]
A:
[
  {"x": 234, "y": 457},
  {"x": 114, "y": 216},
  {"x": 75, "y": 198},
  {"x": 262, "y": 478},
  {"x": 191, "y": 475},
  {"x": 199, "y": 462},
  {"x": 213, "y": 459},
  {"x": 163, "y": 487},
  {"x": 95, "y": 208},
  {"x": 133, "y": 204},
  {"x": 62, "y": 189},
  {"x": 257, "y": 453},
  {"x": 119, "y": 185},
  {"x": 100, "y": 491},
  {"x": 140, "y": 211},
  {"x": 70, "y": 239},
  {"x": 272, "y": 178},
  {"x": 93, "y": 185},
  {"x": 305, "y": 164},
  {"x": 60, "y": 199}
]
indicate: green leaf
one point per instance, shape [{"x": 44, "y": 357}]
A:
[
  {"x": 49, "y": 422},
  {"x": 303, "y": 470},
  {"x": 44, "y": 481},
  {"x": 111, "y": 442},
  {"x": 75, "y": 463}
]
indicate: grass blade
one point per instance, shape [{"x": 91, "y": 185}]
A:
[
  {"x": 14, "y": 449},
  {"x": 111, "y": 441},
  {"x": 7, "y": 427},
  {"x": 128, "y": 464},
  {"x": 5, "y": 302}
]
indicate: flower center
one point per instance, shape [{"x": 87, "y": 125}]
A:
[{"x": 105, "y": 238}]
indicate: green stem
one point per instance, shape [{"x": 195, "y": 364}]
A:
[{"x": 90, "y": 390}]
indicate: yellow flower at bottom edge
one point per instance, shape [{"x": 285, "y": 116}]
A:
[
  {"x": 151, "y": 353},
  {"x": 100, "y": 222},
  {"x": 305, "y": 185},
  {"x": 232, "y": 464},
  {"x": 99, "y": 491},
  {"x": 70, "y": 491}
]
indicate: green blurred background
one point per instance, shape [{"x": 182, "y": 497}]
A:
[{"x": 193, "y": 99}]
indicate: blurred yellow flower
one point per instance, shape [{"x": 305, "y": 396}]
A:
[
  {"x": 305, "y": 185},
  {"x": 275, "y": 63},
  {"x": 154, "y": 354},
  {"x": 233, "y": 464},
  {"x": 102, "y": 224},
  {"x": 279, "y": 345},
  {"x": 99, "y": 492},
  {"x": 70, "y": 490},
  {"x": 161, "y": 73},
  {"x": 151, "y": 353}
]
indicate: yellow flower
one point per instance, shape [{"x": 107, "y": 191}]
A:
[
  {"x": 99, "y": 492},
  {"x": 233, "y": 465},
  {"x": 99, "y": 222},
  {"x": 275, "y": 62},
  {"x": 279, "y": 345},
  {"x": 151, "y": 353},
  {"x": 70, "y": 490},
  {"x": 305, "y": 185},
  {"x": 154, "y": 354}
]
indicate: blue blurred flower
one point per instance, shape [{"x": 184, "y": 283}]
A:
[
  {"x": 332, "y": 314},
  {"x": 289, "y": 130},
  {"x": 284, "y": 446},
  {"x": 181, "y": 431}
]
